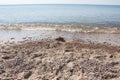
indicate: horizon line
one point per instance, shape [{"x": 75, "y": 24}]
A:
[{"x": 59, "y": 4}]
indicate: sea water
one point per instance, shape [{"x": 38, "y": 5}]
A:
[{"x": 61, "y": 14}]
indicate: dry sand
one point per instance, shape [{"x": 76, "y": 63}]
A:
[{"x": 59, "y": 59}]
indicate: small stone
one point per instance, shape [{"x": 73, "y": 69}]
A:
[
  {"x": 75, "y": 77},
  {"x": 111, "y": 56},
  {"x": 5, "y": 57},
  {"x": 2, "y": 71},
  {"x": 12, "y": 38},
  {"x": 27, "y": 74},
  {"x": 70, "y": 64}
]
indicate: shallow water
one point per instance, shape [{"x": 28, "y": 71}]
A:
[{"x": 16, "y": 35}]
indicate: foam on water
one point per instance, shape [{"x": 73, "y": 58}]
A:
[{"x": 61, "y": 27}]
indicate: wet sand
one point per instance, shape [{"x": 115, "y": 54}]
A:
[
  {"x": 16, "y": 35},
  {"x": 59, "y": 59}
]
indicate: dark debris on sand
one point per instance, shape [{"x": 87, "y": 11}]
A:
[{"x": 61, "y": 39}]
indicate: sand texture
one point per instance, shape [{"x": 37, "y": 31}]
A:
[{"x": 59, "y": 59}]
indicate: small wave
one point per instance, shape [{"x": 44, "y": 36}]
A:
[{"x": 61, "y": 27}]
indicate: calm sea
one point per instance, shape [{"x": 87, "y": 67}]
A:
[{"x": 61, "y": 14}]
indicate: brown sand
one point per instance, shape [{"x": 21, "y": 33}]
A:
[{"x": 59, "y": 60}]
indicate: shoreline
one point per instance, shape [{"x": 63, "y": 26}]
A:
[
  {"x": 81, "y": 28},
  {"x": 59, "y": 59}
]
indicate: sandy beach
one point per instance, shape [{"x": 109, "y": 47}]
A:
[
  {"x": 59, "y": 59},
  {"x": 60, "y": 40}
]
